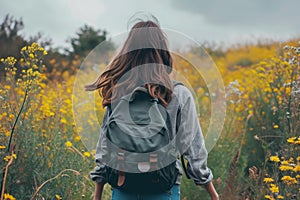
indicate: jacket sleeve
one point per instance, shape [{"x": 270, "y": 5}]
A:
[
  {"x": 191, "y": 141},
  {"x": 99, "y": 173}
]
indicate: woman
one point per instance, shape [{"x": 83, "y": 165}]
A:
[{"x": 147, "y": 44}]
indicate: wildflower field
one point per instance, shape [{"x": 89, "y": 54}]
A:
[{"x": 256, "y": 157}]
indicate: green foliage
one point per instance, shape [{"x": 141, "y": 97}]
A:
[
  {"x": 86, "y": 39},
  {"x": 244, "y": 62}
]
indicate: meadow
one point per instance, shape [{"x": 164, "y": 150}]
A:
[{"x": 256, "y": 157}]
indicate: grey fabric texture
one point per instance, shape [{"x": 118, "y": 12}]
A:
[{"x": 189, "y": 139}]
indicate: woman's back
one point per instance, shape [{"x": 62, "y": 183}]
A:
[{"x": 145, "y": 61}]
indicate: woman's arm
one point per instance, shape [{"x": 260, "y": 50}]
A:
[
  {"x": 191, "y": 143},
  {"x": 98, "y": 191},
  {"x": 212, "y": 191},
  {"x": 99, "y": 173}
]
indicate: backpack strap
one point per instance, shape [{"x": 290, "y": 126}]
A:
[
  {"x": 184, "y": 167},
  {"x": 142, "y": 89},
  {"x": 121, "y": 173},
  {"x": 175, "y": 83},
  {"x": 131, "y": 96}
]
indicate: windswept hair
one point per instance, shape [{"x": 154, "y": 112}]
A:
[{"x": 144, "y": 59}]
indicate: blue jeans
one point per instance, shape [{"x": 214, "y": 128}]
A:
[{"x": 173, "y": 194}]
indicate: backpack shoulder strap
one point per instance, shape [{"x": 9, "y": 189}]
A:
[
  {"x": 184, "y": 167},
  {"x": 109, "y": 110},
  {"x": 175, "y": 83}
]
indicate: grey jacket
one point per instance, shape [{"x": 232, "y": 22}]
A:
[{"x": 189, "y": 136}]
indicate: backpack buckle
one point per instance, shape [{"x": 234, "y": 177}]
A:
[
  {"x": 144, "y": 166},
  {"x": 121, "y": 174},
  {"x": 153, "y": 161},
  {"x": 120, "y": 157}
]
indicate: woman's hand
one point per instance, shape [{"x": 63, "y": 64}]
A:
[
  {"x": 216, "y": 197},
  {"x": 98, "y": 191},
  {"x": 212, "y": 191}
]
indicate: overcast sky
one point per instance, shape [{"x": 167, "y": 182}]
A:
[{"x": 203, "y": 20}]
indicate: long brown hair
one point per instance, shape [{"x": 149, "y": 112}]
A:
[{"x": 146, "y": 45}]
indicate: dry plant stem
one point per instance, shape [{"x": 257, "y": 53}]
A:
[
  {"x": 77, "y": 151},
  {"x": 51, "y": 179},
  {"x": 5, "y": 174}
]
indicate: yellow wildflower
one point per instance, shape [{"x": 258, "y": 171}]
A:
[
  {"x": 58, "y": 197},
  {"x": 8, "y": 197},
  {"x": 291, "y": 140},
  {"x": 288, "y": 90},
  {"x": 68, "y": 144},
  {"x": 285, "y": 167},
  {"x": 9, "y": 60},
  {"x": 296, "y": 168},
  {"x": 274, "y": 188},
  {"x": 62, "y": 110},
  {"x": 77, "y": 138},
  {"x": 274, "y": 159},
  {"x": 87, "y": 154},
  {"x": 7, "y": 133},
  {"x": 275, "y": 126},
  {"x": 63, "y": 120},
  {"x": 268, "y": 180},
  {"x": 2, "y": 147},
  {"x": 285, "y": 162},
  {"x": 7, "y": 158},
  {"x": 280, "y": 197},
  {"x": 31, "y": 55},
  {"x": 268, "y": 197},
  {"x": 11, "y": 116},
  {"x": 289, "y": 180}
]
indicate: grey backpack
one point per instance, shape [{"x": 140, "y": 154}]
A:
[{"x": 139, "y": 142}]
